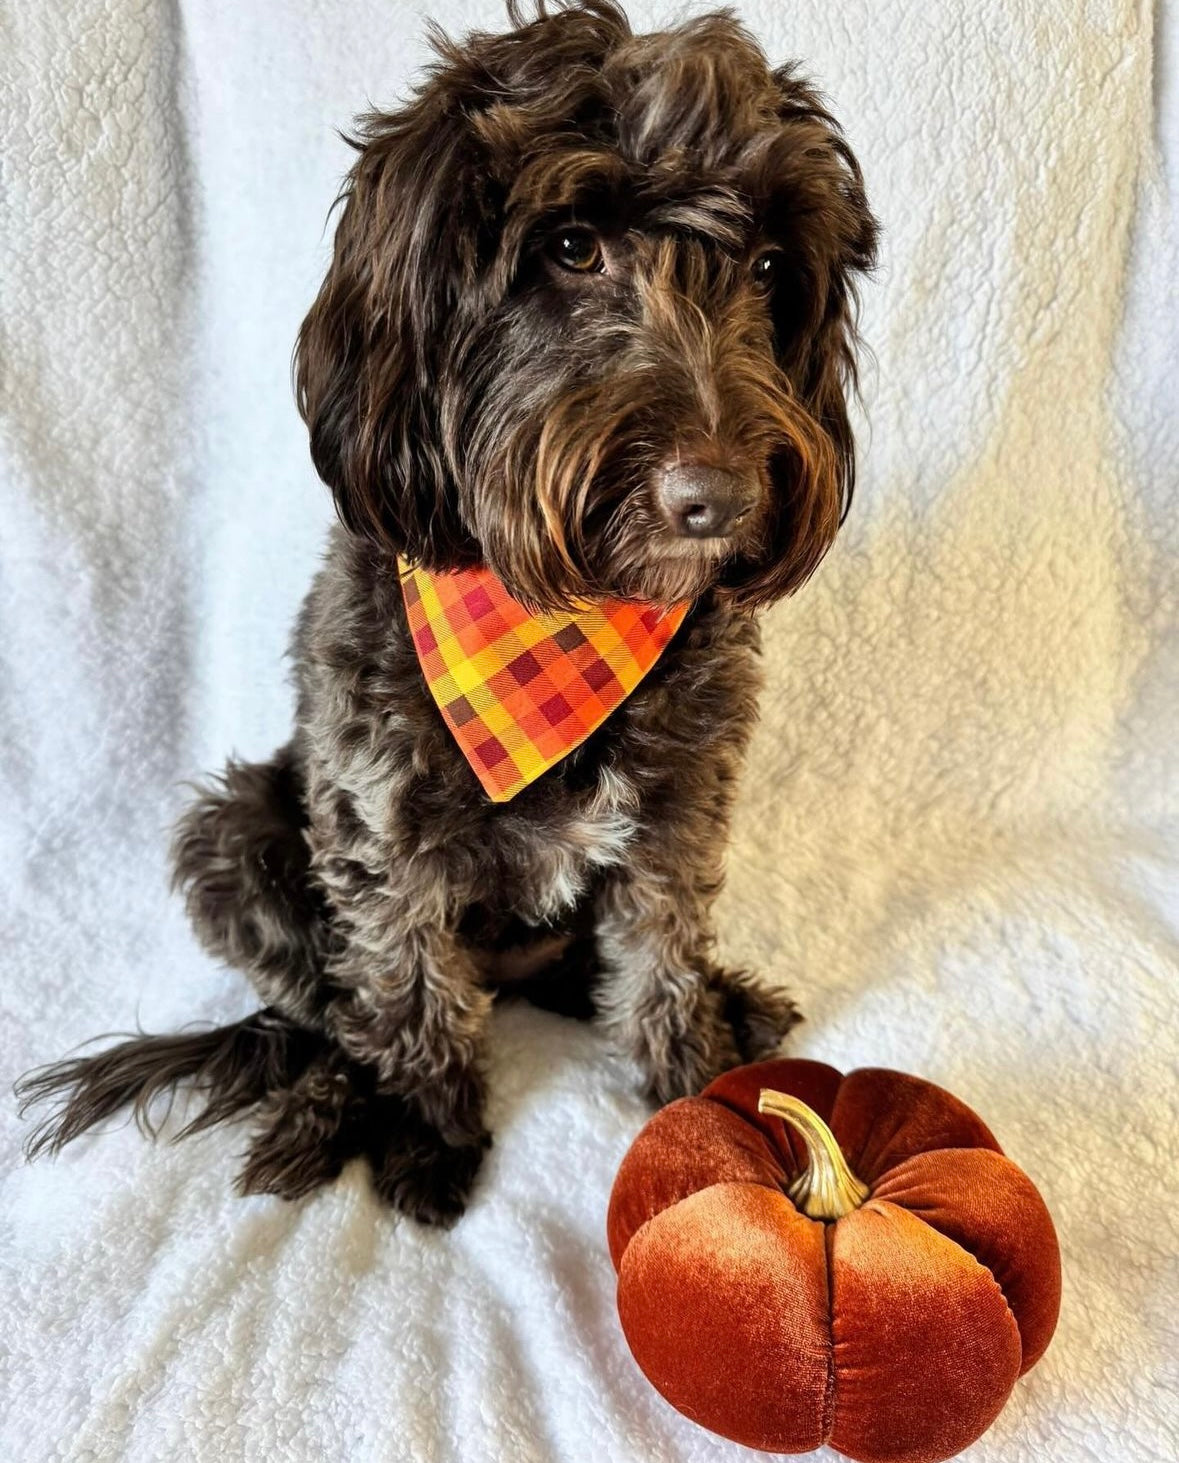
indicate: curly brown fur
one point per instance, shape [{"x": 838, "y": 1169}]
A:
[
  {"x": 477, "y": 393},
  {"x": 240, "y": 856}
]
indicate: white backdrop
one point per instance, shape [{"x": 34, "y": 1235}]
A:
[{"x": 958, "y": 841}]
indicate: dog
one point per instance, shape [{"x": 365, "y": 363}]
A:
[{"x": 588, "y": 329}]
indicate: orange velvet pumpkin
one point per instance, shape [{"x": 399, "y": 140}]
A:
[{"x": 892, "y": 1324}]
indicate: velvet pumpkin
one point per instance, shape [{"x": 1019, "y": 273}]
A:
[{"x": 856, "y": 1263}]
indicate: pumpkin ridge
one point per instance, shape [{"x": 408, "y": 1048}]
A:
[
  {"x": 885, "y": 1209},
  {"x": 779, "y": 1150},
  {"x": 870, "y": 1095},
  {"x": 922, "y": 1211},
  {"x": 958, "y": 1245},
  {"x": 1024, "y": 1275},
  {"x": 696, "y": 1131},
  {"x": 881, "y": 1142},
  {"x": 705, "y": 1341},
  {"x": 675, "y": 1204}
]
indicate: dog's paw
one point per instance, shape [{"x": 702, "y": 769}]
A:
[
  {"x": 760, "y": 1016},
  {"x": 735, "y": 1019},
  {"x": 304, "y": 1136},
  {"x": 417, "y": 1172},
  {"x": 688, "y": 1048}
]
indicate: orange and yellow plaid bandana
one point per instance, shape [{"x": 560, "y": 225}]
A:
[{"x": 521, "y": 690}]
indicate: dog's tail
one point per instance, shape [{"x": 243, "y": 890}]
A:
[
  {"x": 241, "y": 858},
  {"x": 232, "y": 1067}
]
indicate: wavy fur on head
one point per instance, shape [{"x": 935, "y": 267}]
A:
[{"x": 576, "y": 263}]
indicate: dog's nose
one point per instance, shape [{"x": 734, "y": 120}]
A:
[{"x": 704, "y": 502}]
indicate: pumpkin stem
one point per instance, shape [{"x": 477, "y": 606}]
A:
[{"x": 826, "y": 1188}]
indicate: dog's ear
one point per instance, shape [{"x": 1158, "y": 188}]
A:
[
  {"x": 822, "y": 343},
  {"x": 372, "y": 355},
  {"x": 819, "y": 212}
]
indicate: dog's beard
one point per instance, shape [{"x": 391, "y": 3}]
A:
[
  {"x": 651, "y": 565},
  {"x": 563, "y": 500}
]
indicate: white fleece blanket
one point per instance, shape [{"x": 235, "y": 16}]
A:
[{"x": 958, "y": 841}]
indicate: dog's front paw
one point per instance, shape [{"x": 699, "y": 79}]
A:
[
  {"x": 416, "y": 1170},
  {"x": 688, "y": 1046},
  {"x": 760, "y": 1016},
  {"x": 304, "y": 1134},
  {"x": 734, "y": 1019}
]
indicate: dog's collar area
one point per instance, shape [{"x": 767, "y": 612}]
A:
[{"x": 518, "y": 689}]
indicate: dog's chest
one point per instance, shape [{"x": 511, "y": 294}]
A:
[
  {"x": 550, "y": 848},
  {"x": 541, "y": 854}
]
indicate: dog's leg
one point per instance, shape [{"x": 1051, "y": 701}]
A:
[
  {"x": 321, "y": 913},
  {"x": 415, "y": 1169},
  {"x": 408, "y": 1007},
  {"x": 415, "y": 1013},
  {"x": 240, "y": 856},
  {"x": 307, "y": 1129},
  {"x": 662, "y": 995}
]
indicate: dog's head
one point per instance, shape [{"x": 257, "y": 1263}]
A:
[{"x": 589, "y": 318}]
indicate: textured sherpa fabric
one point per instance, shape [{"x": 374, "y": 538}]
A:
[{"x": 958, "y": 837}]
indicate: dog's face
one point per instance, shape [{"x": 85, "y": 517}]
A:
[{"x": 589, "y": 317}]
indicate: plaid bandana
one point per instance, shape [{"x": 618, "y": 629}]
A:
[{"x": 521, "y": 690}]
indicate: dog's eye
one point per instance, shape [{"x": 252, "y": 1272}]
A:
[
  {"x": 577, "y": 250},
  {"x": 764, "y": 269}
]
